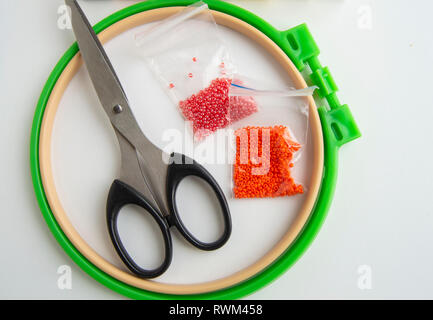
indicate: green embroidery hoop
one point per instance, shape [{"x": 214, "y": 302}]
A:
[{"x": 338, "y": 128}]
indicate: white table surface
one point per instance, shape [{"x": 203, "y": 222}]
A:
[{"x": 381, "y": 217}]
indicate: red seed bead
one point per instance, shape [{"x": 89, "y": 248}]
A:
[{"x": 212, "y": 108}]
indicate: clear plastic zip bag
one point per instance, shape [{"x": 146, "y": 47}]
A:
[
  {"x": 268, "y": 144},
  {"x": 189, "y": 58}
]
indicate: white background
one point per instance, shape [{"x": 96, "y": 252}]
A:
[{"x": 381, "y": 214}]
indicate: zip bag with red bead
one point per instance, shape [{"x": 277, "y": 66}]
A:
[
  {"x": 269, "y": 143},
  {"x": 189, "y": 57}
]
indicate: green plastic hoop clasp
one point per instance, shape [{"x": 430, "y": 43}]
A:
[{"x": 338, "y": 128}]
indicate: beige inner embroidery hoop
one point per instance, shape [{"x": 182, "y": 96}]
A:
[{"x": 153, "y": 285}]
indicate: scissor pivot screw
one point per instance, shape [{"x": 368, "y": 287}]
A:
[{"x": 117, "y": 108}]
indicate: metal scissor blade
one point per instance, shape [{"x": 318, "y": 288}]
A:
[
  {"x": 102, "y": 74},
  {"x": 131, "y": 173},
  {"x": 112, "y": 96}
]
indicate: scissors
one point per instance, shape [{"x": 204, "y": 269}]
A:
[{"x": 146, "y": 180}]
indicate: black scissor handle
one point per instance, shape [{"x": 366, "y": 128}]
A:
[
  {"x": 182, "y": 167},
  {"x": 122, "y": 194}
]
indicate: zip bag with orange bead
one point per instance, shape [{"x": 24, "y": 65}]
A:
[
  {"x": 269, "y": 143},
  {"x": 194, "y": 66}
]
